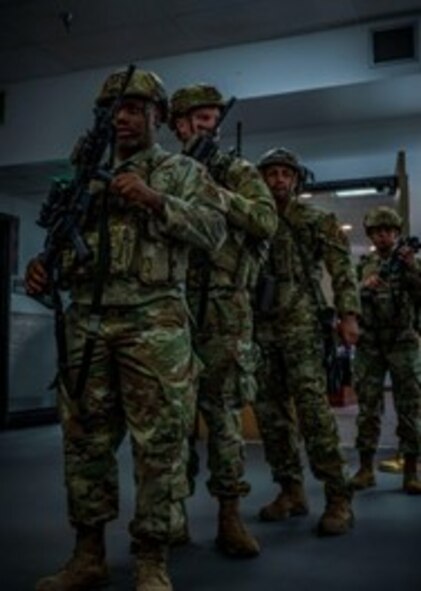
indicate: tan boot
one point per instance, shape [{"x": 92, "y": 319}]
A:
[
  {"x": 392, "y": 465},
  {"x": 151, "y": 566},
  {"x": 337, "y": 518},
  {"x": 233, "y": 537},
  {"x": 411, "y": 482},
  {"x": 86, "y": 569},
  {"x": 289, "y": 503},
  {"x": 365, "y": 477}
]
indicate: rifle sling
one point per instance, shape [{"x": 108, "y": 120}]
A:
[
  {"x": 60, "y": 334},
  {"x": 95, "y": 312}
]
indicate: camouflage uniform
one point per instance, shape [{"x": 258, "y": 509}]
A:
[
  {"x": 292, "y": 375},
  {"x": 389, "y": 342},
  {"x": 143, "y": 370},
  {"x": 292, "y": 343},
  {"x": 224, "y": 342},
  {"x": 219, "y": 290},
  {"x": 144, "y": 344}
]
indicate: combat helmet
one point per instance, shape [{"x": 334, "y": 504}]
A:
[
  {"x": 193, "y": 97},
  {"x": 382, "y": 216},
  {"x": 284, "y": 157},
  {"x": 280, "y": 156},
  {"x": 143, "y": 84}
]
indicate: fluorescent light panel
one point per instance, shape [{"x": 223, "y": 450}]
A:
[{"x": 357, "y": 192}]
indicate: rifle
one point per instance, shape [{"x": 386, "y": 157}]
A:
[
  {"x": 239, "y": 139},
  {"x": 68, "y": 201},
  {"x": 394, "y": 263},
  {"x": 336, "y": 359},
  {"x": 205, "y": 147}
]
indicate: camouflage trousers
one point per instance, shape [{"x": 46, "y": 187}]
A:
[
  {"x": 401, "y": 357},
  {"x": 141, "y": 380},
  {"x": 227, "y": 383},
  {"x": 292, "y": 396}
]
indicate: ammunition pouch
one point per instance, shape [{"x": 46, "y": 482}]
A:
[
  {"x": 123, "y": 234},
  {"x": 134, "y": 252}
]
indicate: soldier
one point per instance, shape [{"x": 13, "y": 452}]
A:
[
  {"x": 219, "y": 294},
  {"x": 160, "y": 205},
  {"x": 290, "y": 335},
  {"x": 390, "y": 279}
]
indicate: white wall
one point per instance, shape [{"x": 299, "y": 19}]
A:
[
  {"x": 351, "y": 151},
  {"x": 43, "y": 117}
]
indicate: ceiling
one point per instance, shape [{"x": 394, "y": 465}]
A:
[
  {"x": 53, "y": 37},
  {"x": 41, "y": 38}
]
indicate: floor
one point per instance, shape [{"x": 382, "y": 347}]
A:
[{"x": 382, "y": 552}]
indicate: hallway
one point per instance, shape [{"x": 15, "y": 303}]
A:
[{"x": 382, "y": 552}]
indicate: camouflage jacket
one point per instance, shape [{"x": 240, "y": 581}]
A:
[
  {"x": 394, "y": 306},
  {"x": 251, "y": 219},
  {"x": 148, "y": 256},
  {"x": 308, "y": 237}
]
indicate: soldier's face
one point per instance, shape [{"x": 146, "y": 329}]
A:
[
  {"x": 133, "y": 126},
  {"x": 281, "y": 180},
  {"x": 201, "y": 121},
  {"x": 384, "y": 238}
]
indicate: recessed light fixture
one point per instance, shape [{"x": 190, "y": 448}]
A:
[{"x": 357, "y": 192}]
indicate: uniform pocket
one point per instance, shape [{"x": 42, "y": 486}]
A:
[{"x": 123, "y": 240}]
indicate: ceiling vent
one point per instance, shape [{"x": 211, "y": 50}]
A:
[{"x": 394, "y": 44}]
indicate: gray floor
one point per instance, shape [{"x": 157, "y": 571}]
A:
[{"x": 382, "y": 552}]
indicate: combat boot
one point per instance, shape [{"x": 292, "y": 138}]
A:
[
  {"x": 233, "y": 537},
  {"x": 86, "y": 570},
  {"x": 151, "y": 566},
  {"x": 290, "y": 502},
  {"x": 411, "y": 482},
  {"x": 392, "y": 465},
  {"x": 365, "y": 477},
  {"x": 337, "y": 518}
]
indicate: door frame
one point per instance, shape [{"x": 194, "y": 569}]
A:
[{"x": 8, "y": 266}]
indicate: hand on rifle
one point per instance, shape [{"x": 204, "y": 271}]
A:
[
  {"x": 36, "y": 278},
  {"x": 406, "y": 254},
  {"x": 135, "y": 191},
  {"x": 348, "y": 329},
  {"x": 373, "y": 281}
]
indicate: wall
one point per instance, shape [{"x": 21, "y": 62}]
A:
[
  {"x": 43, "y": 117},
  {"x": 352, "y": 151}
]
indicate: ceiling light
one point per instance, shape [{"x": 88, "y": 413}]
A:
[
  {"x": 346, "y": 227},
  {"x": 357, "y": 192},
  {"x": 306, "y": 195}
]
